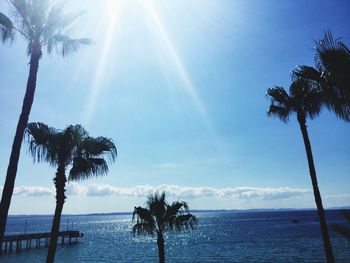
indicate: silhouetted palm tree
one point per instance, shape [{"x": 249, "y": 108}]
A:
[
  {"x": 305, "y": 100},
  {"x": 331, "y": 73},
  {"x": 41, "y": 23},
  {"x": 71, "y": 147},
  {"x": 342, "y": 229},
  {"x": 158, "y": 217}
]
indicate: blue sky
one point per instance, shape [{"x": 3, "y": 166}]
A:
[{"x": 180, "y": 88}]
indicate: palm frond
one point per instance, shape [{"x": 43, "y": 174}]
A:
[
  {"x": 54, "y": 16},
  {"x": 145, "y": 223},
  {"x": 99, "y": 146},
  {"x": 44, "y": 22},
  {"x": 143, "y": 214},
  {"x": 309, "y": 73},
  {"x": 70, "y": 137},
  {"x": 174, "y": 211},
  {"x": 143, "y": 229},
  {"x": 39, "y": 10},
  {"x": 280, "y": 103},
  {"x": 328, "y": 43},
  {"x": 65, "y": 45},
  {"x": 176, "y": 207},
  {"x": 88, "y": 153},
  {"x": 6, "y": 28},
  {"x": 341, "y": 108},
  {"x": 185, "y": 222},
  {"x": 21, "y": 14},
  {"x": 42, "y": 142},
  {"x": 279, "y": 111},
  {"x": 157, "y": 206},
  {"x": 333, "y": 57},
  {"x": 278, "y": 95},
  {"x": 58, "y": 21},
  {"x": 84, "y": 168},
  {"x": 332, "y": 76},
  {"x": 77, "y": 133},
  {"x": 306, "y": 97}
]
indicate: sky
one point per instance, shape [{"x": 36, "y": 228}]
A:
[{"x": 180, "y": 88}]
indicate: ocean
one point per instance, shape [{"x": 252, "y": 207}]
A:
[{"x": 221, "y": 236}]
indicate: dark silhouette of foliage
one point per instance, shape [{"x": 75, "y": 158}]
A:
[
  {"x": 159, "y": 217},
  {"x": 6, "y": 28},
  {"x": 74, "y": 148},
  {"x": 305, "y": 99},
  {"x": 331, "y": 74},
  {"x": 343, "y": 229},
  {"x": 41, "y": 23}
]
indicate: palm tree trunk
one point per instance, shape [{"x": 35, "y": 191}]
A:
[
  {"x": 160, "y": 243},
  {"x": 60, "y": 183},
  {"x": 317, "y": 195},
  {"x": 17, "y": 142}
]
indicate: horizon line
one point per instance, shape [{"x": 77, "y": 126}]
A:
[{"x": 201, "y": 211}]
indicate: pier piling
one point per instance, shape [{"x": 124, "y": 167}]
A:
[{"x": 7, "y": 243}]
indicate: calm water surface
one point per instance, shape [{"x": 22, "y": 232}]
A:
[{"x": 219, "y": 237}]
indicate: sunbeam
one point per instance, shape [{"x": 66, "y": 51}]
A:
[
  {"x": 188, "y": 86},
  {"x": 113, "y": 9}
]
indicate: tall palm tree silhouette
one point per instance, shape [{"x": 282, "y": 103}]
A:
[
  {"x": 158, "y": 217},
  {"x": 331, "y": 73},
  {"x": 41, "y": 23},
  {"x": 71, "y": 147},
  {"x": 304, "y": 99}
]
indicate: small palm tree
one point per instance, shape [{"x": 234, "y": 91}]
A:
[
  {"x": 331, "y": 73},
  {"x": 69, "y": 148},
  {"x": 158, "y": 217},
  {"x": 41, "y": 23},
  {"x": 304, "y": 99}
]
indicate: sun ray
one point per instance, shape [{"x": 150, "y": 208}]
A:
[
  {"x": 189, "y": 88},
  {"x": 113, "y": 9},
  {"x": 188, "y": 85}
]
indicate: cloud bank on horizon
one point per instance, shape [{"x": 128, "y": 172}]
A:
[{"x": 97, "y": 190}]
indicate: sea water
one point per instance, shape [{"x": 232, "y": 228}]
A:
[{"x": 221, "y": 236}]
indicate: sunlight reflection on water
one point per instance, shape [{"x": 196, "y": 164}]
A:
[{"x": 221, "y": 237}]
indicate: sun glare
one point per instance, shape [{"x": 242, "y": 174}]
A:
[
  {"x": 114, "y": 9},
  {"x": 188, "y": 86},
  {"x": 180, "y": 69}
]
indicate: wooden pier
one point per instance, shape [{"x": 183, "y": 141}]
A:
[{"x": 36, "y": 240}]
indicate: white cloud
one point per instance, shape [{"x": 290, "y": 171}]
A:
[
  {"x": 241, "y": 193},
  {"x": 33, "y": 191},
  {"x": 75, "y": 189},
  {"x": 267, "y": 193}
]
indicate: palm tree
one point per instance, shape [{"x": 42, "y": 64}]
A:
[
  {"x": 69, "y": 148},
  {"x": 158, "y": 217},
  {"x": 331, "y": 73},
  {"x": 41, "y": 23},
  {"x": 304, "y": 99}
]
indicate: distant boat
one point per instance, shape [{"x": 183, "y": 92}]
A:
[{"x": 295, "y": 221}]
